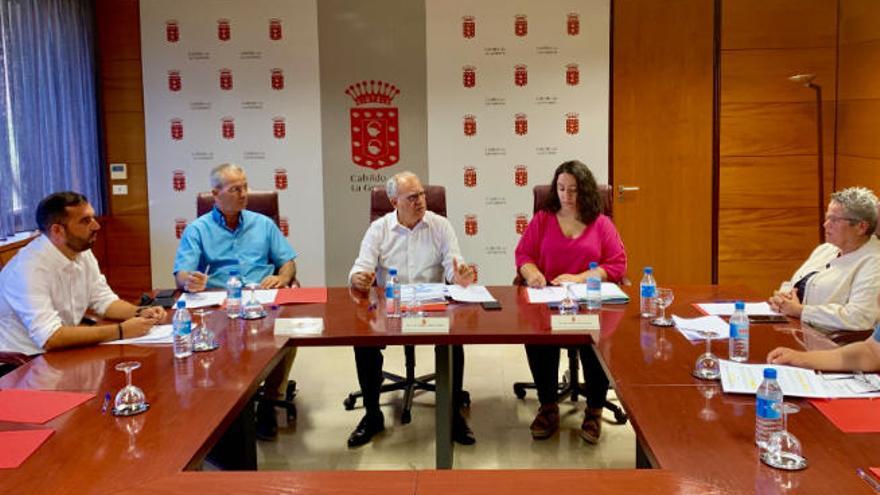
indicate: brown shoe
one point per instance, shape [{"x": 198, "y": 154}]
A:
[
  {"x": 546, "y": 422},
  {"x": 591, "y": 428}
]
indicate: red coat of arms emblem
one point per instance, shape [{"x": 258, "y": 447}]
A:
[{"x": 375, "y": 132}]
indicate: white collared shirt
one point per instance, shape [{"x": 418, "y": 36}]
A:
[
  {"x": 42, "y": 290},
  {"x": 421, "y": 254}
]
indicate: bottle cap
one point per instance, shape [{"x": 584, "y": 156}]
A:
[
  {"x": 181, "y": 304},
  {"x": 392, "y": 271},
  {"x": 739, "y": 305},
  {"x": 649, "y": 270},
  {"x": 593, "y": 265},
  {"x": 770, "y": 373}
]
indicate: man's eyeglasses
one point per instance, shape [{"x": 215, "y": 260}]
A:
[
  {"x": 237, "y": 189},
  {"x": 414, "y": 197},
  {"x": 835, "y": 219}
]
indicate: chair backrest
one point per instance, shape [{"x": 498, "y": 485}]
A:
[
  {"x": 265, "y": 202},
  {"x": 435, "y": 197},
  {"x": 541, "y": 192}
]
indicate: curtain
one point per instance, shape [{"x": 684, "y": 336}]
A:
[{"x": 48, "y": 108}]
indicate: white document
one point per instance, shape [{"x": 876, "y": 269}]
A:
[
  {"x": 265, "y": 296},
  {"x": 299, "y": 326},
  {"x": 544, "y": 295},
  {"x": 470, "y": 294},
  {"x": 690, "y": 327},
  {"x": 203, "y": 299},
  {"x": 726, "y": 309},
  {"x": 611, "y": 294},
  {"x": 159, "y": 334},
  {"x": 427, "y": 292},
  {"x": 744, "y": 378}
]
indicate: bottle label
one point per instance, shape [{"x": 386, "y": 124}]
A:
[
  {"x": 183, "y": 328},
  {"x": 389, "y": 291},
  {"x": 235, "y": 293},
  {"x": 649, "y": 291},
  {"x": 734, "y": 331},
  {"x": 768, "y": 408}
]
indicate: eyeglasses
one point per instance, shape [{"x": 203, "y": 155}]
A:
[
  {"x": 237, "y": 189},
  {"x": 835, "y": 219},
  {"x": 415, "y": 197}
]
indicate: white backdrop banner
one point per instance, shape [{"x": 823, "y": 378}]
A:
[
  {"x": 514, "y": 89},
  {"x": 228, "y": 81}
]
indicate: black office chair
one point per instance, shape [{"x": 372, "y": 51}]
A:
[
  {"x": 380, "y": 205},
  {"x": 266, "y": 203},
  {"x": 570, "y": 384},
  {"x": 11, "y": 360}
]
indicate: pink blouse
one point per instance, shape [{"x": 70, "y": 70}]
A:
[{"x": 544, "y": 244}]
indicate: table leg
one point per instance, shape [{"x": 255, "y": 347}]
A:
[{"x": 443, "y": 411}]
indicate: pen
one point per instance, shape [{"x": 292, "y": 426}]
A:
[
  {"x": 106, "y": 403},
  {"x": 868, "y": 479}
]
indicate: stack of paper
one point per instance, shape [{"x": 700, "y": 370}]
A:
[
  {"x": 726, "y": 308},
  {"x": 159, "y": 334},
  {"x": 611, "y": 294},
  {"x": 470, "y": 294},
  {"x": 691, "y": 327},
  {"x": 743, "y": 378},
  {"x": 203, "y": 299}
]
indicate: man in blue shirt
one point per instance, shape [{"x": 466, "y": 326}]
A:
[{"x": 228, "y": 238}]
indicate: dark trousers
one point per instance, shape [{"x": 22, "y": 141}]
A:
[
  {"x": 544, "y": 363},
  {"x": 369, "y": 369}
]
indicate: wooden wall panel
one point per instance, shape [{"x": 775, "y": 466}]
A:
[
  {"x": 859, "y": 21},
  {"x": 768, "y": 181},
  {"x": 856, "y": 171},
  {"x": 768, "y": 219},
  {"x": 778, "y": 24},
  {"x": 126, "y": 230},
  {"x": 859, "y": 131},
  {"x": 762, "y": 75}
]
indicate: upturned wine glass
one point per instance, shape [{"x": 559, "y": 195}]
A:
[
  {"x": 130, "y": 400},
  {"x": 252, "y": 309},
  {"x": 569, "y": 304},
  {"x": 707, "y": 366},
  {"x": 665, "y": 297}
]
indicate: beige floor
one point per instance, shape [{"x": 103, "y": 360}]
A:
[{"x": 499, "y": 420}]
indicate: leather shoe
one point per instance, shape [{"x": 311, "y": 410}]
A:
[
  {"x": 591, "y": 428},
  {"x": 461, "y": 432},
  {"x": 366, "y": 429},
  {"x": 267, "y": 423},
  {"x": 546, "y": 422}
]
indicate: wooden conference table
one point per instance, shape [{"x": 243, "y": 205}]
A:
[
  {"x": 196, "y": 400},
  {"x": 690, "y": 426}
]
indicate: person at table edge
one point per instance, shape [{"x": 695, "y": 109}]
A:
[
  {"x": 838, "y": 285},
  {"x": 230, "y": 237},
  {"x": 49, "y": 284},
  {"x": 558, "y": 245},
  {"x": 422, "y": 246}
]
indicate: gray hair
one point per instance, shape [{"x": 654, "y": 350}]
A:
[
  {"x": 219, "y": 171},
  {"x": 860, "y": 204},
  {"x": 393, "y": 184}
]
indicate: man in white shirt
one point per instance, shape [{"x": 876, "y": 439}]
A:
[
  {"x": 422, "y": 246},
  {"x": 47, "y": 287}
]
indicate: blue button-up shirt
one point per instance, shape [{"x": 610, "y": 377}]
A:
[{"x": 256, "y": 248}]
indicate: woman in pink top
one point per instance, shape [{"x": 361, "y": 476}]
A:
[{"x": 558, "y": 245}]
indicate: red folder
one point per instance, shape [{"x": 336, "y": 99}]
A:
[
  {"x": 851, "y": 415},
  {"x": 301, "y": 295},
  {"x": 19, "y": 445},
  {"x": 37, "y": 406}
]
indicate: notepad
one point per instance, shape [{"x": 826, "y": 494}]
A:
[
  {"x": 301, "y": 295},
  {"x": 18, "y": 445},
  {"x": 851, "y": 415},
  {"x": 37, "y": 406}
]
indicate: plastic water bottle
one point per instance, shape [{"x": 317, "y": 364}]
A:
[
  {"x": 182, "y": 324},
  {"x": 594, "y": 290},
  {"x": 233, "y": 295},
  {"x": 392, "y": 294},
  {"x": 739, "y": 334},
  {"x": 648, "y": 294},
  {"x": 768, "y": 408}
]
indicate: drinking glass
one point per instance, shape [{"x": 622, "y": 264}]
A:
[
  {"x": 707, "y": 366},
  {"x": 130, "y": 400},
  {"x": 783, "y": 448},
  {"x": 203, "y": 337},
  {"x": 569, "y": 304},
  {"x": 252, "y": 309},
  {"x": 664, "y": 300},
  {"x": 415, "y": 303}
]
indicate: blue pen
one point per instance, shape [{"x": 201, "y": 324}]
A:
[
  {"x": 106, "y": 403},
  {"x": 868, "y": 479}
]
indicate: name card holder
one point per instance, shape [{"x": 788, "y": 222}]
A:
[
  {"x": 588, "y": 323},
  {"x": 425, "y": 324}
]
